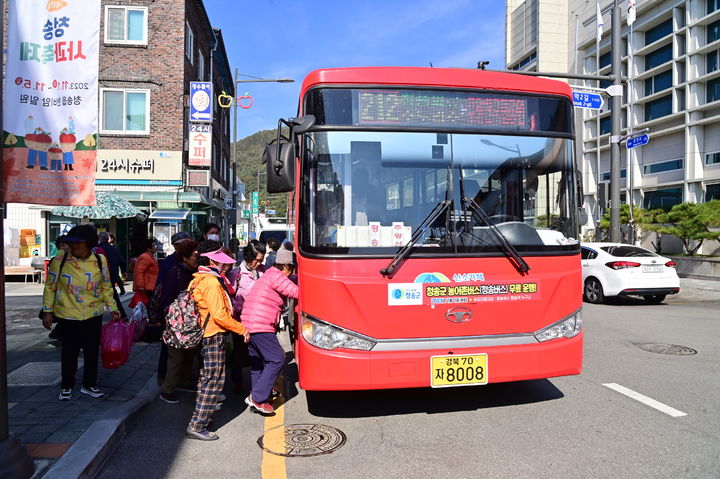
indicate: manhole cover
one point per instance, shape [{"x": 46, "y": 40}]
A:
[
  {"x": 37, "y": 374},
  {"x": 301, "y": 440},
  {"x": 674, "y": 349}
]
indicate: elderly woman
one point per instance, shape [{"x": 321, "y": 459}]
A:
[
  {"x": 77, "y": 293},
  {"x": 146, "y": 272},
  {"x": 243, "y": 278}
]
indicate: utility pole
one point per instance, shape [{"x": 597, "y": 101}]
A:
[{"x": 616, "y": 116}]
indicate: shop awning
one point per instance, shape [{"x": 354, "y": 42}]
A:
[{"x": 176, "y": 215}]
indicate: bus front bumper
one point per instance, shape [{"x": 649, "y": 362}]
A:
[{"x": 344, "y": 369}]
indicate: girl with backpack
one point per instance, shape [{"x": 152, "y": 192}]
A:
[
  {"x": 215, "y": 315},
  {"x": 260, "y": 315}
]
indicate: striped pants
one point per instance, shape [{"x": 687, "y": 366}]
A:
[{"x": 211, "y": 382}]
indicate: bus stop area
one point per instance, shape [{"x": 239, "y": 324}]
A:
[{"x": 75, "y": 438}]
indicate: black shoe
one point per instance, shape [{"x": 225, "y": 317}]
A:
[
  {"x": 203, "y": 435},
  {"x": 170, "y": 398},
  {"x": 43, "y": 168},
  {"x": 30, "y": 167},
  {"x": 55, "y": 334}
]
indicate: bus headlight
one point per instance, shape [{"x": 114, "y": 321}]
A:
[
  {"x": 565, "y": 328},
  {"x": 326, "y": 336}
]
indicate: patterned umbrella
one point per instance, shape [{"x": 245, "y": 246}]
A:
[{"x": 106, "y": 206}]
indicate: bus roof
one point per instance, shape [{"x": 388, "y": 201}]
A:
[{"x": 435, "y": 77}]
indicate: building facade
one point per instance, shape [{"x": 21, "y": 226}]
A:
[
  {"x": 150, "y": 51},
  {"x": 671, "y": 57}
]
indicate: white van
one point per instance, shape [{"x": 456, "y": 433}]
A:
[{"x": 274, "y": 228}]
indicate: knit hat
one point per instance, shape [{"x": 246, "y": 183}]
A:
[
  {"x": 285, "y": 257},
  {"x": 179, "y": 236}
]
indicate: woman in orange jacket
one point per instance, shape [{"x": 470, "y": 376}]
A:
[{"x": 146, "y": 270}]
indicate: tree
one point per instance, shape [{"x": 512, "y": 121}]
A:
[{"x": 692, "y": 223}]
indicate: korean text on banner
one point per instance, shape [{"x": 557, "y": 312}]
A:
[{"x": 50, "y": 116}]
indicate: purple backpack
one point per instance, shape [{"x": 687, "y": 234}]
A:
[{"x": 182, "y": 329}]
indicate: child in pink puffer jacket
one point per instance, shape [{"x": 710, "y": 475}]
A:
[{"x": 260, "y": 315}]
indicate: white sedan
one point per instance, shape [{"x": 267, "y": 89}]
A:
[{"x": 615, "y": 269}]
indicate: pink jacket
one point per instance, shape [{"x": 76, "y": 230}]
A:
[{"x": 262, "y": 306}]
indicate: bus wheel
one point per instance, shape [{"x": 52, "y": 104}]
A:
[
  {"x": 593, "y": 291},
  {"x": 654, "y": 299}
]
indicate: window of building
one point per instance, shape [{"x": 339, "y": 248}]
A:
[
  {"x": 712, "y": 192},
  {"x": 658, "y": 57},
  {"x": 126, "y": 25},
  {"x": 606, "y": 175},
  {"x": 713, "y": 31},
  {"x": 125, "y": 111},
  {"x": 659, "y": 31},
  {"x": 712, "y": 60},
  {"x": 605, "y": 125},
  {"x": 665, "y": 199},
  {"x": 605, "y": 59},
  {"x": 712, "y": 5},
  {"x": 661, "y": 81},
  {"x": 201, "y": 66},
  {"x": 712, "y": 158},
  {"x": 664, "y": 166},
  {"x": 713, "y": 90},
  {"x": 658, "y": 108},
  {"x": 189, "y": 43},
  {"x": 524, "y": 61}
]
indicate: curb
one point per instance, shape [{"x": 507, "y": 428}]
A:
[{"x": 89, "y": 453}]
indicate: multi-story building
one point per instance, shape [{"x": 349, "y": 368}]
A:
[
  {"x": 150, "y": 51},
  {"x": 671, "y": 57}
]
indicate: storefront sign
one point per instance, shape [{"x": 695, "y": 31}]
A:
[
  {"x": 255, "y": 201},
  {"x": 50, "y": 111},
  {"x": 200, "y": 153},
  {"x": 139, "y": 167},
  {"x": 198, "y": 178}
]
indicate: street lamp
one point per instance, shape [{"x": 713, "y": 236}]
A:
[{"x": 249, "y": 79}]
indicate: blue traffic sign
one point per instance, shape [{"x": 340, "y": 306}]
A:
[
  {"x": 583, "y": 99},
  {"x": 638, "y": 141},
  {"x": 201, "y": 101}
]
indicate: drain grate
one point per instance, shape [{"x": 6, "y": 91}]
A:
[
  {"x": 673, "y": 349},
  {"x": 304, "y": 440},
  {"x": 37, "y": 374}
]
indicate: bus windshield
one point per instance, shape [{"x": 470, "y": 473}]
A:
[{"x": 366, "y": 192}]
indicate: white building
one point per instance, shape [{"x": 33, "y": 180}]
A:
[{"x": 672, "y": 59}]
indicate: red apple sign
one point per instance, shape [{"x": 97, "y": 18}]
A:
[{"x": 245, "y": 101}]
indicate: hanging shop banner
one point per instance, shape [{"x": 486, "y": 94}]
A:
[
  {"x": 50, "y": 115},
  {"x": 200, "y": 153}
]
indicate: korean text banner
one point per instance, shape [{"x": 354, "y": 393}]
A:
[{"x": 50, "y": 117}]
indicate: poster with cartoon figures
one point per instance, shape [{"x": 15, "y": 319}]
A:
[{"x": 50, "y": 117}]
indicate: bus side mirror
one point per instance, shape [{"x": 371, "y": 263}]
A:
[{"x": 279, "y": 159}]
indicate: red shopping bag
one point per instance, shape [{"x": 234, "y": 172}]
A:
[
  {"x": 139, "y": 297},
  {"x": 115, "y": 343}
]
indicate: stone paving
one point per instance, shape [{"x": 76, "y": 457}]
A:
[{"x": 46, "y": 425}]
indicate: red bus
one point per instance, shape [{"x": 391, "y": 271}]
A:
[{"x": 436, "y": 228}]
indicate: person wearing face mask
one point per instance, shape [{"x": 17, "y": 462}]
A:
[{"x": 211, "y": 231}]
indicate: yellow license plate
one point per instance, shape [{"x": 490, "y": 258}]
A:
[{"x": 458, "y": 370}]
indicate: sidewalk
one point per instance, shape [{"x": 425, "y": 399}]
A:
[
  {"x": 67, "y": 438},
  {"x": 74, "y": 438}
]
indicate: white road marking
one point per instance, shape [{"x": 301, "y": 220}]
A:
[{"x": 645, "y": 400}]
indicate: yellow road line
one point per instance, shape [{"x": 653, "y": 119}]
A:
[{"x": 273, "y": 466}]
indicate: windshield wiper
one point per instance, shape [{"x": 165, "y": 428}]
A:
[
  {"x": 510, "y": 251},
  {"x": 439, "y": 209}
]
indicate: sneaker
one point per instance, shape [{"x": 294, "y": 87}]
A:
[
  {"x": 92, "y": 391},
  {"x": 203, "y": 435},
  {"x": 274, "y": 393},
  {"x": 217, "y": 407},
  {"x": 170, "y": 398},
  {"x": 261, "y": 408},
  {"x": 65, "y": 394}
]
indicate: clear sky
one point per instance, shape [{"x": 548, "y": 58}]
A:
[{"x": 290, "y": 38}]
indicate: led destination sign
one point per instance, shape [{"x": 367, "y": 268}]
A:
[
  {"x": 439, "y": 109},
  {"x": 420, "y": 108}
]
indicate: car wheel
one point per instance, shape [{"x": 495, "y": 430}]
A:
[
  {"x": 655, "y": 299},
  {"x": 593, "y": 291}
]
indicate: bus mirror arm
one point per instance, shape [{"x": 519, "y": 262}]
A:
[{"x": 405, "y": 250}]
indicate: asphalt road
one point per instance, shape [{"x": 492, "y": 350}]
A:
[{"x": 562, "y": 427}]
